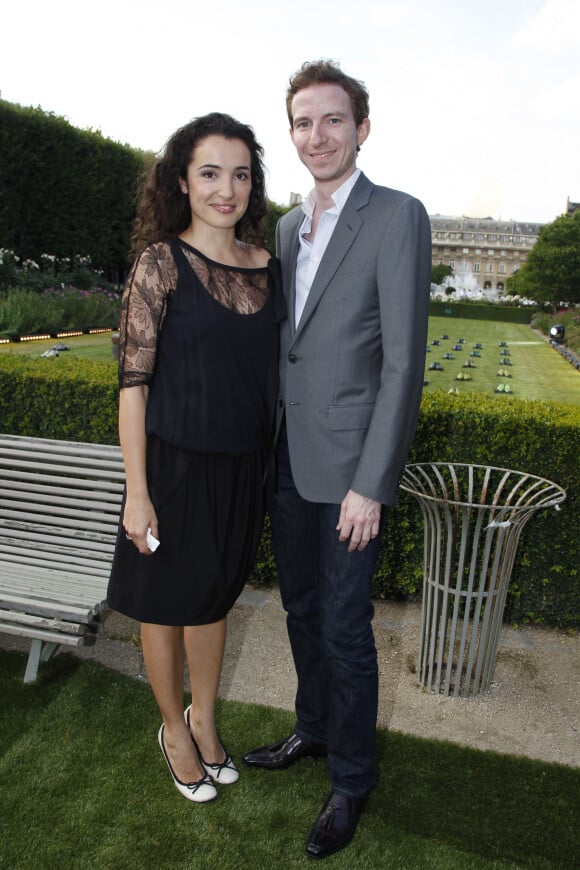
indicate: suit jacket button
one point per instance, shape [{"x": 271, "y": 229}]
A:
[{"x": 292, "y": 357}]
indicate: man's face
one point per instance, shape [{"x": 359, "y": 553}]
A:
[{"x": 325, "y": 133}]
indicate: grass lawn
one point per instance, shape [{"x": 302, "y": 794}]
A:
[
  {"x": 84, "y": 785},
  {"x": 94, "y": 347},
  {"x": 537, "y": 370}
]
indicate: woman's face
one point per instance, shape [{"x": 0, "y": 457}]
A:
[{"x": 218, "y": 182}]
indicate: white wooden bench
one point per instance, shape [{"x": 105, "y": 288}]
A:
[{"x": 59, "y": 510}]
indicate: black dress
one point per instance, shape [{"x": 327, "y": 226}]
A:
[{"x": 203, "y": 337}]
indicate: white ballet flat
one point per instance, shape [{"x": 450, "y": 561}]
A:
[
  {"x": 225, "y": 773},
  {"x": 200, "y": 791}
]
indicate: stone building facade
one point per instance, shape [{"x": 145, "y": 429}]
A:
[{"x": 489, "y": 250}]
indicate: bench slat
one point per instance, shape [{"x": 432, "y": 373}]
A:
[
  {"x": 38, "y": 538},
  {"x": 41, "y": 622},
  {"x": 35, "y": 582},
  {"x": 44, "y": 635},
  {"x": 72, "y": 466},
  {"x": 75, "y": 484},
  {"x": 21, "y": 492},
  {"x": 58, "y": 446},
  {"x": 73, "y": 611},
  {"x": 65, "y": 576},
  {"x": 74, "y": 520},
  {"x": 59, "y": 556}
]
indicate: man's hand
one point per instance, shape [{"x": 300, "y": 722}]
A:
[{"x": 359, "y": 520}]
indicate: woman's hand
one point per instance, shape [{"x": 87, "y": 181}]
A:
[{"x": 139, "y": 516}]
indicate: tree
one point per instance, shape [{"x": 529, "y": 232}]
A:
[
  {"x": 275, "y": 212},
  {"x": 552, "y": 271},
  {"x": 439, "y": 273}
]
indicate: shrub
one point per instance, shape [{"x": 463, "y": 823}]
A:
[
  {"x": 59, "y": 309},
  {"x": 61, "y": 397},
  {"x": 481, "y": 311},
  {"x": 65, "y": 190},
  {"x": 570, "y": 320},
  {"x": 76, "y": 400}
]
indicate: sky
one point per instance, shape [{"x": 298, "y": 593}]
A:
[{"x": 474, "y": 108}]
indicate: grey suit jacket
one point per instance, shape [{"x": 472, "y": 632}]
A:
[{"x": 351, "y": 373}]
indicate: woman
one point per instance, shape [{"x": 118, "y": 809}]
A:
[{"x": 198, "y": 380}]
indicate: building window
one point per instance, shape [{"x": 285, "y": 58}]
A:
[
  {"x": 501, "y": 269},
  {"x": 489, "y": 267},
  {"x": 464, "y": 265},
  {"x": 504, "y": 238},
  {"x": 478, "y": 250},
  {"x": 467, "y": 236},
  {"x": 439, "y": 262},
  {"x": 466, "y": 250},
  {"x": 517, "y": 240},
  {"x": 490, "y": 253},
  {"x": 453, "y": 250},
  {"x": 476, "y": 266},
  {"x": 479, "y": 237},
  {"x": 515, "y": 268},
  {"x": 452, "y": 264},
  {"x": 502, "y": 253},
  {"x": 492, "y": 238}
]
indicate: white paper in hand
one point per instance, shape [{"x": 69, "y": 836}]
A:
[{"x": 152, "y": 541}]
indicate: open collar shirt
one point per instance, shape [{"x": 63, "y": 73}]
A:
[{"x": 311, "y": 251}]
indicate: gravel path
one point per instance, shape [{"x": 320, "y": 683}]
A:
[{"x": 532, "y": 708}]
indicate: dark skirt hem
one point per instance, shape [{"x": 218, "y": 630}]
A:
[{"x": 210, "y": 511}]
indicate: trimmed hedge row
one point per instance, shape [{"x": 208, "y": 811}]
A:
[
  {"x": 481, "y": 311},
  {"x": 65, "y": 191},
  {"x": 59, "y": 397},
  {"x": 77, "y": 400}
]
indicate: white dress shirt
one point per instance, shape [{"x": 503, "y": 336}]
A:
[{"x": 311, "y": 252}]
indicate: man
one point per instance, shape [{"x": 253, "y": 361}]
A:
[{"x": 356, "y": 262}]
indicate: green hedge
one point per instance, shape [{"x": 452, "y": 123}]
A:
[
  {"x": 481, "y": 311},
  {"x": 77, "y": 400},
  {"x": 59, "y": 397},
  {"x": 65, "y": 191},
  {"x": 23, "y": 312}
]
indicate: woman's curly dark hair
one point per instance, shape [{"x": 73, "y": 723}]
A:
[{"x": 163, "y": 210}]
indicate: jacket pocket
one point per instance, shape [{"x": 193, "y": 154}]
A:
[{"x": 350, "y": 416}]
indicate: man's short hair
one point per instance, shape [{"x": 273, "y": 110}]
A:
[{"x": 322, "y": 72}]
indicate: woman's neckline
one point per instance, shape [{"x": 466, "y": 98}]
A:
[{"x": 207, "y": 259}]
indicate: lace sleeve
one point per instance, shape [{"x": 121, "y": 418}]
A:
[{"x": 144, "y": 304}]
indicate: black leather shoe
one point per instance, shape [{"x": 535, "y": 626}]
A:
[
  {"x": 278, "y": 756},
  {"x": 335, "y": 826}
]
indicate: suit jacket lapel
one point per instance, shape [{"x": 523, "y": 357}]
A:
[
  {"x": 289, "y": 244},
  {"x": 345, "y": 232}
]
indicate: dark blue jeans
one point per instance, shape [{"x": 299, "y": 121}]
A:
[{"x": 325, "y": 591}]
